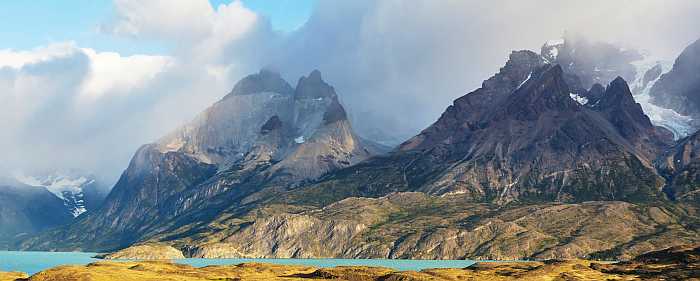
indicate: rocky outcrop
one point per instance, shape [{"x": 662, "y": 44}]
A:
[{"x": 145, "y": 252}]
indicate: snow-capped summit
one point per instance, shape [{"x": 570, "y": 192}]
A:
[{"x": 73, "y": 190}]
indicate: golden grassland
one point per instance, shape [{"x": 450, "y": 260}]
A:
[
  {"x": 165, "y": 271},
  {"x": 675, "y": 263}
]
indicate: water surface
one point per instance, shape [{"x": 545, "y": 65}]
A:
[{"x": 33, "y": 262}]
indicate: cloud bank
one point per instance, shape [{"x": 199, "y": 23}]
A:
[{"x": 395, "y": 64}]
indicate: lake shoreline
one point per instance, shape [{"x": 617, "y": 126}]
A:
[{"x": 677, "y": 263}]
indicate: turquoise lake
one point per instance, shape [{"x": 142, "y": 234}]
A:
[{"x": 33, "y": 262}]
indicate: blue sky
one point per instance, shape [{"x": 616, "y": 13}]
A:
[{"x": 29, "y": 24}]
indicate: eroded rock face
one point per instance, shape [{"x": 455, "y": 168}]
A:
[
  {"x": 418, "y": 226},
  {"x": 287, "y": 236}
]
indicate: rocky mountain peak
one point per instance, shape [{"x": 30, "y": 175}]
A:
[
  {"x": 517, "y": 70},
  {"x": 528, "y": 133},
  {"x": 618, "y": 94},
  {"x": 467, "y": 113},
  {"x": 261, "y": 82},
  {"x": 313, "y": 87},
  {"x": 545, "y": 91},
  {"x": 263, "y": 136}
]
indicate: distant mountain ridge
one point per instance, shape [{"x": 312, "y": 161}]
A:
[
  {"x": 26, "y": 210},
  {"x": 79, "y": 193}
]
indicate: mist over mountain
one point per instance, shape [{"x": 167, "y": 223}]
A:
[{"x": 63, "y": 103}]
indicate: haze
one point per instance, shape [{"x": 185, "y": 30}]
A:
[{"x": 395, "y": 64}]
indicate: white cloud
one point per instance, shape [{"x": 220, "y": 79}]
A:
[
  {"x": 192, "y": 25},
  {"x": 167, "y": 19},
  {"x": 16, "y": 59},
  {"x": 66, "y": 107},
  {"x": 113, "y": 73},
  {"x": 395, "y": 65}
]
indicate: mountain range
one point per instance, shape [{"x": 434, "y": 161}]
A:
[
  {"x": 30, "y": 204},
  {"x": 552, "y": 157}
]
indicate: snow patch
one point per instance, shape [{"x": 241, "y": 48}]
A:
[
  {"x": 525, "y": 81},
  {"x": 579, "y": 99},
  {"x": 68, "y": 189}
]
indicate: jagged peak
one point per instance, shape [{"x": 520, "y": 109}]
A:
[
  {"x": 518, "y": 69},
  {"x": 266, "y": 80},
  {"x": 315, "y": 75},
  {"x": 619, "y": 82},
  {"x": 545, "y": 91},
  {"x": 523, "y": 56},
  {"x": 617, "y": 93},
  {"x": 313, "y": 87},
  {"x": 545, "y": 76}
]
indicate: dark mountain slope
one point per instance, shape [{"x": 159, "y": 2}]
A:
[
  {"x": 27, "y": 210},
  {"x": 681, "y": 165}
]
